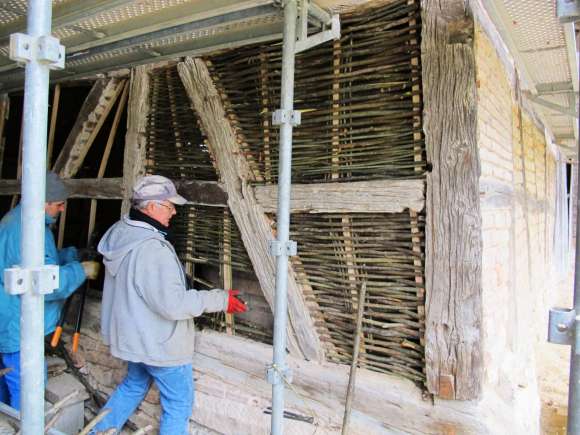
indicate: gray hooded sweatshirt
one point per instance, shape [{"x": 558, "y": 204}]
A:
[{"x": 147, "y": 310}]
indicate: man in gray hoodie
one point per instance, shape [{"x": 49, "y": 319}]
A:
[{"x": 148, "y": 309}]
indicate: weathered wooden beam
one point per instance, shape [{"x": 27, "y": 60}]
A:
[
  {"x": 203, "y": 192},
  {"x": 95, "y": 109},
  {"x": 254, "y": 226},
  {"x": 381, "y": 196},
  {"x": 453, "y": 347},
  {"x": 104, "y": 188},
  {"x": 4, "y": 112},
  {"x": 52, "y": 128},
  {"x": 136, "y": 136},
  {"x": 196, "y": 192}
]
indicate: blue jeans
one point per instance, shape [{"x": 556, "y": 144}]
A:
[
  {"x": 10, "y": 382},
  {"x": 176, "y": 393}
]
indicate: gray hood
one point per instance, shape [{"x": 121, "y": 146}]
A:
[{"x": 122, "y": 238}]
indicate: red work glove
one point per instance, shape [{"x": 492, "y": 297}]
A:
[{"x": 234, "y": 304}]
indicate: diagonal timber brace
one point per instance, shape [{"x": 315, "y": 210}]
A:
[
  {"x": 96, "y": 107},
  {"x": 254, "y": 225}
]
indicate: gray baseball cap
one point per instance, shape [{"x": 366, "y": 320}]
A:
[
  {"x": 156, "y": 188},
  {"x": 55, "y": 189}
]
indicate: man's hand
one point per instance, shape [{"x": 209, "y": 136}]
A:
[
  {"x": 234, "y": 304},
  {"x": 91, "y": 269}
]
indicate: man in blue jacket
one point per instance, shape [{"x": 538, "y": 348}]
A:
[{"x": 72, "y": 274}]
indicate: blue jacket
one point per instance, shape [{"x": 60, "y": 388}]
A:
[{"x": 71, "y": 276}]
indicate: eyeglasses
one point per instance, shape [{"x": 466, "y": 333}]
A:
[{"x": 169, "y": 207}]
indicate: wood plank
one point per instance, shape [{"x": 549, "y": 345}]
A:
[
  {"x": 19, "y": 167},
  {"x": 95, "y": 109},
  {"x": 136, "y": 137},
  {"x": 396, "y": 404},
  {"x": 226, "y": 269},
  {"x": 202, "y": 192},
  {"x": 213, "y": 193},
  {"x": 252, "y": 222},
  {"x": 105, "y": 188},
  {"x": 105, "y": 158},
  {"x": 4, "y": 113},
  {"x": 381, "y": 196},
  {"x": 52, "y": 128},
  {"x": 453, "y": 350}
]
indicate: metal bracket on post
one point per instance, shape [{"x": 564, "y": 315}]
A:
[
  {"x": 292, "y": 117},
  {"x": 312, "y": 11},
  {"x": 44, "y": 49},
  {"x": 277, "y": 248},
  {"x": 564, "y": 328},
  {"x": 43, "y": 280},
  {"x": 276, "y": 375}
]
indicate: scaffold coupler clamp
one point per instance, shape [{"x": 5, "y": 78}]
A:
[
  {"x": 276, "y": 375},
  {"x": 563, "y": 327},
  {"x": 44, "y": 49},
  {"x": 278, "y": 248},
  {"x": 42, "y": 280},
  {"x": 292, "y": 117}
]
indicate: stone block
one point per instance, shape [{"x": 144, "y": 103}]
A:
[{"x": 71, "y": 419}]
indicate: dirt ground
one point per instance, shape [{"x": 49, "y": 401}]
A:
[{"x": 553, "y": 367}]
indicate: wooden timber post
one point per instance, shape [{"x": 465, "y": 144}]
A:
[
  {"x": 453, "y": 248},
  {"x": 253, "y": 224},
  {"x": 4, "y": 112},
  {"x": 136, "y": 138}
]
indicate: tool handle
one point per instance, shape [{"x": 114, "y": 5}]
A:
[
  {"x": 77, "y": 333},
  {"x": 56, "y": 336},
  {"x": 75, "y": 341}
]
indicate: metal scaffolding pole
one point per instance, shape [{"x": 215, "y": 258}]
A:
[
  {"x": 32, "y": 280},
  {"x": 33, "y": 189},
  {"x": 574, "y": 385},
  {"x": 283, "y": 247},
  {"x": 564, "y": 325}
]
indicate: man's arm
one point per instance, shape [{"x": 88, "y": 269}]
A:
[
  {"x": 71, "y": 275},
  {"x": 159, "y": 279},
  {"x": 66, "y": 255}
]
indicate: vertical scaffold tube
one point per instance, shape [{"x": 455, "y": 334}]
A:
[
  {"x": 34, "y": 128},
  {"x": 283, "y": 215}
]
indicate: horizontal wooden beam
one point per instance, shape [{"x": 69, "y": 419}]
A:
[
  {"x": 386, "y": 196},
  {"x": 196, "y": 192},
  {"x": 203, "y": 192},
  {"x": 380, "y": 196},
  {"x": 104, "y": 188}
]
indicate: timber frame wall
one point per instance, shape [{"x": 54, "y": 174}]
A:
[
  {"x": 452, "y": 242},
  {"x": 360, "y": 137}
]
